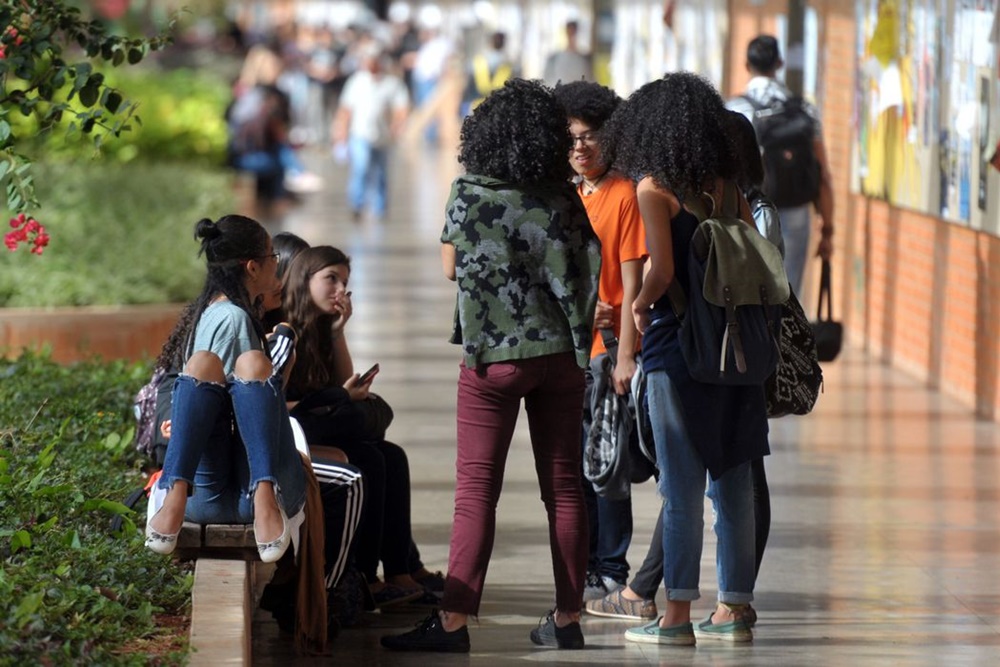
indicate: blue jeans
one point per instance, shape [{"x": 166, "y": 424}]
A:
[
  {"x": 222, "y": 467},
  {"x": 796, "y": 226},
  {"x": 368, "y": 179},
  {"x": 423, "y": 90},
  {"x": 282, "y": 160},
  {"x": 682, "y": 485}
]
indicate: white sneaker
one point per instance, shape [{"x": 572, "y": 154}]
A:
[{"x": 303, "y": 182}]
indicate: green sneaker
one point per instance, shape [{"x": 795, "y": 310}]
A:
[
  {"x": 681, "y": 634},
  {"x": 731, "y": 631}
]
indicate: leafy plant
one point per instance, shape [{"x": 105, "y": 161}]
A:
[
  {"x": 46, "y": 54},
  {"x": 70, "y": 590},
  {"x": 183, "y": 113},
  {"x": 125, "y": 235}
]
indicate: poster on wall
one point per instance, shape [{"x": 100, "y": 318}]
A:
[{"x": 926, "y": 88}]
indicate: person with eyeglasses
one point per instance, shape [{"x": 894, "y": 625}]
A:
[
  {"x": 231, "y": 456},
  {"x": 611, "y": 204}
]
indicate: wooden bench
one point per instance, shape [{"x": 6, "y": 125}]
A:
[{"x": 228, "y": 578}]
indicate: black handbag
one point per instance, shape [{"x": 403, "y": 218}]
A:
[
  {"x": 828, "y": 333},
  {"x": 795, "y": 384}
]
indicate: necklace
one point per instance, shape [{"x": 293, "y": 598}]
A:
[{"x": 589, "y": 187}]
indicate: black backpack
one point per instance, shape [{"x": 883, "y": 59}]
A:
[{"x": 786, "y": 132}]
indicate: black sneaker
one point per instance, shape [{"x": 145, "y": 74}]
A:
[
  {"x": 350, "y": 598},
  {"x": 549, "y": 634},
  {"x": 434, "y": 582},
  {"x": 429, "y": 635}
]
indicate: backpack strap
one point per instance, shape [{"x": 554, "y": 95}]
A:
[
  {"x": 757, "y": 106},
  {"x": 610, "y": 341}
]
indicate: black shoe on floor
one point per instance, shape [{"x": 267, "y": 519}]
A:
[
  {"x": 549, "y": 634},
  {"x": 430, "y": 635},
  {"x": 434, "y": 582}
]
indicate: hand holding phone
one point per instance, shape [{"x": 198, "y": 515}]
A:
[{"x": 367, "y": 376}]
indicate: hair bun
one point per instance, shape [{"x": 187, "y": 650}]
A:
[{"x": 206, "y": 230}]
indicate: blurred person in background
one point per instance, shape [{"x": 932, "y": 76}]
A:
[
  {"x": 569, "y": 64},
  {"x": 430, "y": 63},
  {"x": 488, "y": 71},
  {"x": 373, "y": 109}
]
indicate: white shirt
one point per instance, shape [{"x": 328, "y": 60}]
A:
[
  {"x": 372, "y": 101},
  {"x": 765, "y": 91},
  {"x": 429, "y": 63}
]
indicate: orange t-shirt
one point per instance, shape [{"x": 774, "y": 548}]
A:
[{"x": 614, "y": 214}]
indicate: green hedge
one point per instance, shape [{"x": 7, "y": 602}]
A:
[
  {"x": 121, "y": 234},
  {"x": 71, "y": 591},
  {"x": 182, "y": 119}
]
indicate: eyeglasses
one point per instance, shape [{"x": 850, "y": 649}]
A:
[
  {"x": 587, "y": 138},
  {"x": 276, "y": 256}
]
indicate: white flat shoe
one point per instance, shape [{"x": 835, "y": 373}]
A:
[
  {"x": 272, "y": 551},
  {"x": 161, "y": 543}
]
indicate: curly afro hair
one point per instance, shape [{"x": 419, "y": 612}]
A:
[
  {"x": 674, "y": 130},
  {"x": 519, "y": 134},
  {"x": 587, "y": 101},
  {"x": 746, "y": 149}
]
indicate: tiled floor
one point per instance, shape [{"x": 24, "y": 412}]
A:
[{"x": 884, "y": 544}]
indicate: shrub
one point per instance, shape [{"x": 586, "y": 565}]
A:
[
  {"x": 70, "y": 590},
  {"x": 182, "y": 115},
  {"x": 125, "y": 235}
]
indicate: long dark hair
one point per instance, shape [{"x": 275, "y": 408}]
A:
[
  {"x": 227, "y": 245},
  {"x": 313, "y": 368}
]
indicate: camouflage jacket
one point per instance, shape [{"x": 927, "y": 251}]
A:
[{"x": 527, "y": 264}]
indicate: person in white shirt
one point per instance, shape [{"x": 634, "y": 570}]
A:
[
  {"x": 570, "y": 64},
  {"x": 373, "y": 109}
]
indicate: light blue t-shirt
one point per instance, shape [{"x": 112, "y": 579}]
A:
[{"x": 226, "y": 330}]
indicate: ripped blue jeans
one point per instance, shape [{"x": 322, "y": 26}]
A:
[{"x": 224, "y": 440}]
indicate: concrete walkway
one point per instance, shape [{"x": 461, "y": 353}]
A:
[{"x": 885, "y": 537}]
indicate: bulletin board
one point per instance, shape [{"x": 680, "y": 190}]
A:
[{"x": 926, "y": 106}]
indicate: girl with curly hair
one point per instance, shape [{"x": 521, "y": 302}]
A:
[
  {"x": 519, "y": 245},
  {"x": 672, "y": 136},
  {"x": 232, "y": 456}
]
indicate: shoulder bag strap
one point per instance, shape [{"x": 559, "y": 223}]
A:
[
  {"x": 825, "y": 287},
  {"x": 610, "y": 341}
]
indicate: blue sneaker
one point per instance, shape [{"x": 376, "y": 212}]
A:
[
  {"x": 737, "y": 630},
  {"x": 681, "y": 634}
]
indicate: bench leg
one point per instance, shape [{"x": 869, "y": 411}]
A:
[{"x": 221, "y": 612}]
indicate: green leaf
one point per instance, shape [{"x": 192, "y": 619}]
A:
[
  {"x": 20, "y": 540},
  {"x": 118, "y": 58},
  {"x": 113, "y": 101},
  {"x": 73, "y": 542},
  {"x": 28, "y": 607},
  {"x": 105, "y": 505},
  {"x": 88, "y": 96}
]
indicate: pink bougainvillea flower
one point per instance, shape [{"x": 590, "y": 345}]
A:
[{"x": 26, "y": 230}]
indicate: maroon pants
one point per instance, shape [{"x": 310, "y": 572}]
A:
[{"x": 489, "y": 398}]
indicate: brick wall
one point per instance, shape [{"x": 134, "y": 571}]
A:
[
  {"x": 914, "y": 290},
  {"x": 73, "y": 334}
]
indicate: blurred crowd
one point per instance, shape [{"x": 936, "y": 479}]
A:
[{"x": 412, "y": 78}]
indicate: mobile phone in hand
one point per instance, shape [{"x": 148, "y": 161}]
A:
[{"x": 367, "y": 376}]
